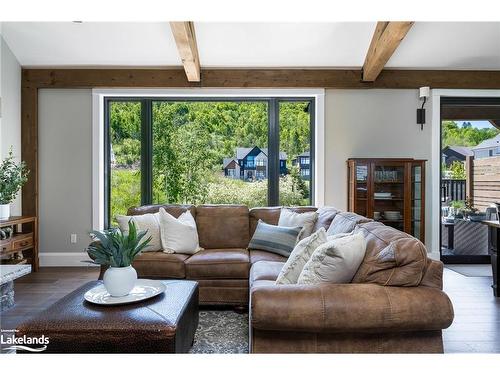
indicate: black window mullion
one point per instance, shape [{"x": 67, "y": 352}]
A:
[
  {"x": 146, "y": 152},
  {"x": 273, "y": 153},
  {"x": 312, "y": 151}
]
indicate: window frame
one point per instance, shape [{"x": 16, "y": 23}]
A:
[{"x": 273, "y": 163}]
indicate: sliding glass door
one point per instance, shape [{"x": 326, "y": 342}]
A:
[
  {"x": 470, "y": 176},
  {"x": 256, "y": 152}
]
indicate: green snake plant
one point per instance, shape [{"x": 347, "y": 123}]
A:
[{"x": 115, "y": 248}]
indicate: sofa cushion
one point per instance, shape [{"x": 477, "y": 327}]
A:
[
  {"x": 325, "y": 217},
  {"x": 173, "y": 209},
  {"x": 345, "y": 222},
  {"x": 265, "y": 270},
  {"x": 271, "y": 215},
  {"x": 161, "y": 265},
  {"x": 259, "y": 255},
  {"x": 218, "y": 264},
  {"x": 393, "y": 258},
  {"x": 222, "y": 226}
]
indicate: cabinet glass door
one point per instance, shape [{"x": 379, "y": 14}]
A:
[
  {"x": 416, "y": 201},
  {"x": 389, "y": 195},
  {"x": 361, "y": 175}
]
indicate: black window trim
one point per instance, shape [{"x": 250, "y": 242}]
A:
[{"x": 147, "y": 141}]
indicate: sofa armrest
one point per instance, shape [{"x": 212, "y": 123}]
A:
[{"x": 349, "y": 308}]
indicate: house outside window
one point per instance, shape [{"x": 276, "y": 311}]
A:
[
  {"x": 231, "y": 172},
  {"x": 260, "y": 163},
  {"x": 250, "y": 163},
  {"x": 304, "y": 161},
  {"x": 260, "y": 175}
]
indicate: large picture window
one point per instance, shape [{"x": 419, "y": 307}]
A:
[{"x": 256, "y": 152}]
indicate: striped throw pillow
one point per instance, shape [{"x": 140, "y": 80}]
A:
[{"x": 275, "y": 239}]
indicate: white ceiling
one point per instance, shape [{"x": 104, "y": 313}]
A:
[{"x": 428, "y": 45}]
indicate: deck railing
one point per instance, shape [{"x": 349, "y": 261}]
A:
[{"x": 453, "y": 190}]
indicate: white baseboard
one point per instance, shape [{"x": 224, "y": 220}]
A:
[{"x": 64, "y": 260}]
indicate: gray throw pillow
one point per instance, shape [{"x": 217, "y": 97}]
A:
[
  {"x": 345, "y": 222},
  {"x": 275, "y": 239}
]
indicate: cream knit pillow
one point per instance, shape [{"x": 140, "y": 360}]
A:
[
  {"x": 147, "y": 222},
  {"x": 299, "y": 256},
  {"x": 336, "y": 261},
  {"x": 306, "y": 220}
]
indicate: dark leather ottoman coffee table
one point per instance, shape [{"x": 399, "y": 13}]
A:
[{"x": 162, "y": 324}]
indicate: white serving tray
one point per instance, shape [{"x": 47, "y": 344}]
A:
[{"x": 143, "y": 289}]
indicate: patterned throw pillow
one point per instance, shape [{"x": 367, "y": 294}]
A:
[
  {"x": 275, "y": 239},
  {"x": 300, "y": 255}
]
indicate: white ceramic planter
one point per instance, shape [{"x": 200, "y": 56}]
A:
[
  {"x": 119, "y": 281},
  {"x": 4, "y": 211}
]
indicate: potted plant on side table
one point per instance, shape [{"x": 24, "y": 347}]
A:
[
  {"x": 12, "y": 178},
  {"x": 117, "y": 249}
]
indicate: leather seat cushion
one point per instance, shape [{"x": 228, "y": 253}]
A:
[
  {"x": 222, "y": 226},
  {"x": 265, "y": 270},
  {"x": 393, "y": 258},
  {"x": 258, "y": 255},
  {"x": 218, "y": 264},
  {"x": 159, "y": 264}
]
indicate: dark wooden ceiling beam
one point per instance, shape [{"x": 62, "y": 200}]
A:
[
  {"x": 185, "y": 39},
  {"x": 385, "y": 40},
  {"x": 488, "y": 113},
  {"x": 260, "y": 78}
]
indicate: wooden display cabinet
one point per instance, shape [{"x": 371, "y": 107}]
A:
[{"x": 391, "y": 191}]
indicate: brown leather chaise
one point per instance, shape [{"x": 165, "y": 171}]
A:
[{"x": 395, "y": 303}]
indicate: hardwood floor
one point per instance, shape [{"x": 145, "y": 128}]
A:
[
  {"x": 476, "y": 328},
  {"x": 38, "y": 290}
]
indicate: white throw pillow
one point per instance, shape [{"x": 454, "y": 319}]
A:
[
  {"x": 336, "y": 261},
  {"x": 306, "y": 220},
  {"x": 300, "y": 255},
  {"x": 178, "y": 235},
  {"x": 147, "y": 222}
]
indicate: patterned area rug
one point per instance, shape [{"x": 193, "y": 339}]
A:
[{"x": 221, "y": 332}]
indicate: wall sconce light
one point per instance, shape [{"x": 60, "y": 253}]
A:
[{"x": 424, "y": 93}]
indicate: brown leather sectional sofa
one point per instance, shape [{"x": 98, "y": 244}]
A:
[{"x": 395, "y": 302}]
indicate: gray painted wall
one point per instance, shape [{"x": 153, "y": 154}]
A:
[
  {"x": 359, "y": 123},
  {"x": 65, "y": 161},
  {"x": 373, "y": 123},
  {"x": 10, "y": 132}
]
